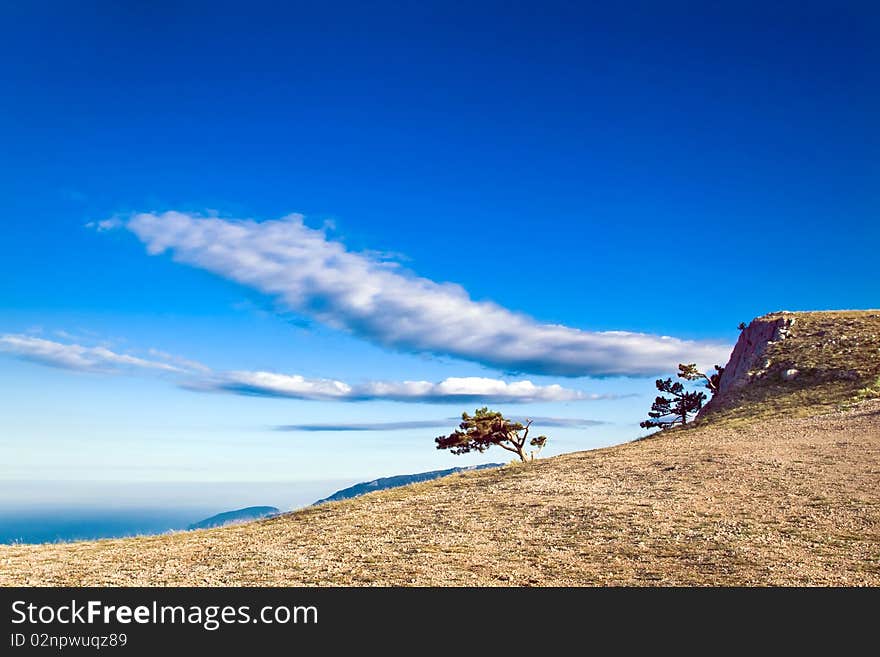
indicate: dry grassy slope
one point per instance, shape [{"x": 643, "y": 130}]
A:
[{"x": 783, "y": 500}]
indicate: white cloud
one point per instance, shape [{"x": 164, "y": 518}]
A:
[
  {"x": 105, "y": 224},
  {"x": 195, "y": 376},
  {"x": 538, "y": 423},
  {"x": 464, "y": 389},
  {"x": 183, "y": 363},
  {"x": 77, "y": 357},
  {"x": 379, "y": 301}
]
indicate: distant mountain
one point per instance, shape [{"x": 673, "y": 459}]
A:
[
  {"x": 239, "y": 515},
  {"x": 399, "y": 480}
]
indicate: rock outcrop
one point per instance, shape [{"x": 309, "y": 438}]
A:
[
  {"x": 788, "y": 361},
  {"x": 748, "y": 358}
]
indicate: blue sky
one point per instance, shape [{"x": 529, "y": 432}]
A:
[{"x": 480, "y": 192}]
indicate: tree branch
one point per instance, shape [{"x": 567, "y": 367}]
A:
[{"x": 522, "y": 442}]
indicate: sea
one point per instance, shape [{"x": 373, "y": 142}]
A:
[{"x": 41, "y": 512}]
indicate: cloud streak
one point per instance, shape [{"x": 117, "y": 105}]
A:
[
  {"x": 77, "y": 357},
  {"x": 453, "y": 389},
  {"x": 365, "y": 426},
  {"x": 192, "y": 375},
  {"x": 574, "y": 423},
  {"x": 383, "y": 303}
]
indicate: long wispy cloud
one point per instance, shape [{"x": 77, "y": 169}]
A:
[
  {"x": 381, "y": 302},
  {"x": 567, "y": 422},
  {"x": 196, "y": 376},
  {"x": 453, "y": 389},
  {"x": 73, "y": 356}
]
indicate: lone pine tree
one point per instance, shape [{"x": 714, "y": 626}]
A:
[{"x": 478, "y": 432}]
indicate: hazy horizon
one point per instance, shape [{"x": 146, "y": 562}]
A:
[{"x": 37, "y": 512}]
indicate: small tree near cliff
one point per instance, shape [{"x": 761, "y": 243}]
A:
[
  {"x": 478, "y": 432},
  {"x": 676, "y": 409},
  {"x": 690, "y": 372}
]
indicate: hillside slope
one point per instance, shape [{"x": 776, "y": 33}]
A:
[
  {"x": 769, "y": 488},
  {"x": 384, "y": 483},
  {"x": 238, "y": 515},
  {"x": 788, "y": 502}
]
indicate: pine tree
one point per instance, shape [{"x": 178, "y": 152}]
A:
[
  {"x": 478, "y": 432},
  {"x": 690, "y": 372},
  {"x": 667, "y": 412}
]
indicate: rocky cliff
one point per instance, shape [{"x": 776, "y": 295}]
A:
[{"x": 791, "y": 362}]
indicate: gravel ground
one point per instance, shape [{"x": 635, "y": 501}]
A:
[{"x": 784, "y": 502}]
